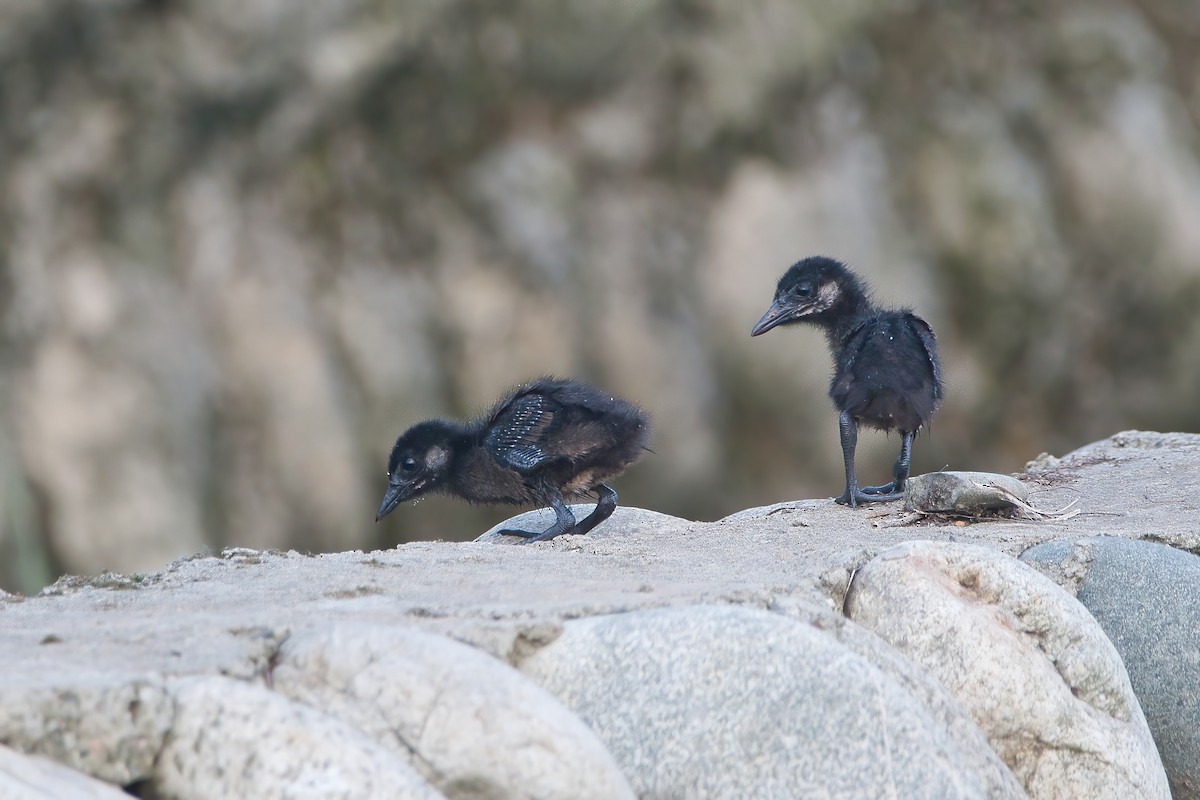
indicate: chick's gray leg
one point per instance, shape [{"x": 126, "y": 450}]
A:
[
  {"x": 853, "y": 496},
  {"x": 848, "y": 434},
  {"x": 605, "y": 505},
  {"x": 564, "y": 521}
]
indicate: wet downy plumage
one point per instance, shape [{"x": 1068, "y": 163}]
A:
[
  {"x": 545, "y": 441},
  {"x": 886, "y": 370}
]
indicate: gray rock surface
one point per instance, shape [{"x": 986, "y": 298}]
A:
[
  {"x": 974, "y": 749},
  {"x": 25, "y": 777},
  {"x": 1028, "y": 662},
  {"x": 793, "y": 512},
  {"x": 472, "y": 725},
  {"x": 86, "y": 662},
  {"x": 625, "y": 521},
  {"x": 231, "y": 739},
  {"x": 1144, "y": 595},
  {"x": 110, "y": 726},
  {"x": 712, "y": 701},
  {"x": 968, "y": 493}
]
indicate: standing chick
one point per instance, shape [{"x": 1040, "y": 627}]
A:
[
  {"x": 544, "y": 441},
  {"x": 885, "y": 365}
]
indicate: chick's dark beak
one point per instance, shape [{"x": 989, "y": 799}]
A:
[
  {"x": 778, "y": 312},
  {"x": 397, "y": 493}
]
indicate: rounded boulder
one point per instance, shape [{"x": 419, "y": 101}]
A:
[
  {"x": 231, "y": 738},
  {"x": 1025, "y": 659},
  {"x": 469, "y": 723},
  {"x": 1143, "y": 595},
  {"x": 24, "y": 777},
  {"x": 720, "y": 701}
]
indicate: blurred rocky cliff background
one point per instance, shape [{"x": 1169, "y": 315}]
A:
[{"x": 243, "y": 244}]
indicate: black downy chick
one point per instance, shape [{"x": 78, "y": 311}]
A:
[
  {"x": 885, "y": 366},
  {"x": 544, "y": 441}
]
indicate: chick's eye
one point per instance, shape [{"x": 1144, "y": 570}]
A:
[
  {"x": 803, "y": 290},
  {"x": 408, "y": 465}
]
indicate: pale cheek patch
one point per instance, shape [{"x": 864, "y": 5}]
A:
[
  {"x": 827, "y": 296},
  {"x": 436, "y": 458}
]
